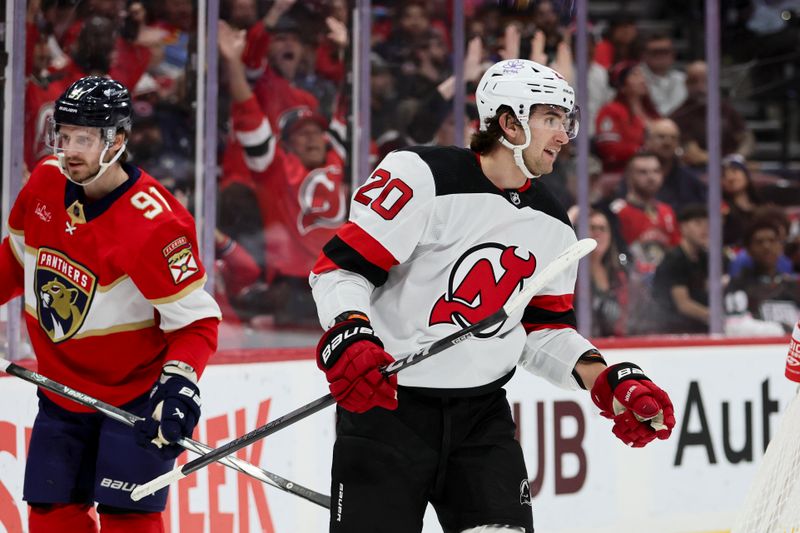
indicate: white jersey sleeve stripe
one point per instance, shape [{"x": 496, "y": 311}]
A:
[
  {"x": 194, "y": 306},
  {"x": 17, "y": 240},
  {"x": 338, "y": 291},
  {"x": 552, "y": 354}
]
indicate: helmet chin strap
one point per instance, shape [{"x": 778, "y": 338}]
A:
[
  {"x": 103, "y": 165},
  {"x": 518, "y": 148}
]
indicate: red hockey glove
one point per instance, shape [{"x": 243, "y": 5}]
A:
[
  {"x": 793, "y": 357},
  {"x": 350, "y": 354},
  {"x": 641, "y": 411}
]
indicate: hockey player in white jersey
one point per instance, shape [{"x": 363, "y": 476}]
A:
[{"x": 439, "y": 238}]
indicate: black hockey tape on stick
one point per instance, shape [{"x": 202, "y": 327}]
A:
[
  {"x": 124, "y": 417},
  {"x": 538, "y": 282}
]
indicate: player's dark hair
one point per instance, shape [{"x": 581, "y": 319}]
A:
[{"x": 484, "y": 142}]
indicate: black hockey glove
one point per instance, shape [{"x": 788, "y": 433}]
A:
[{"x": 175, "y": 411}]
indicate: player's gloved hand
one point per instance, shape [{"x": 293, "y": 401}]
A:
[
  {"x": 175, "y": 404},
  {"x": 641, "y": 411},
  {"x": 350, "y": 355}
]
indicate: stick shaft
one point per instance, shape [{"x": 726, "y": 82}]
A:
[
  {"x": 538, "y": 282},
  {"x": 124, "y": 417}
]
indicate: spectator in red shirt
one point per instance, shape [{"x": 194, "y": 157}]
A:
[
  {"x": 620, "y": 127},
  {"x": 648, "y": 225}
]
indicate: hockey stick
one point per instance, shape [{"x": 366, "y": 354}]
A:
[
  {"x": 124, "y": 417},
  {"x": 538, "y": 282}
]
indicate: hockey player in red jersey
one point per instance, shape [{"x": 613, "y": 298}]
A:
[
  {"x": 438, "y": 239},
  {"x": 108, "y": 264}
]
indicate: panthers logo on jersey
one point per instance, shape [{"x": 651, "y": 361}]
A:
[{"x": 64, "y": 291}]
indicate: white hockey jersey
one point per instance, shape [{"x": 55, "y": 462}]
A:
[{"x": 432, "y": 246}]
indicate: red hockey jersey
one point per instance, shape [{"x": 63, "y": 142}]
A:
[{"x": 113, "y": 288}]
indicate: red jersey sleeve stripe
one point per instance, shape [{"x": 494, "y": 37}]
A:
[
  {"x": 323, "y": 264},
  {"x": 338, "y": 254},
  {"x": 556, "y": 303},
  {"x": 366, "y": 246}
]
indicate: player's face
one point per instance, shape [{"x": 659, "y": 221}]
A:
[
  {"x": 548, "y": 127},
  {"x": 81, "y": 148}
]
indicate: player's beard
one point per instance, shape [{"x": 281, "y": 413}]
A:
[
  {"x": 538, "y": 165},
  {"x": 83, "y": 172}
]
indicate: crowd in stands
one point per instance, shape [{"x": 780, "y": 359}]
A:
[{"x": 285, "y": 131}]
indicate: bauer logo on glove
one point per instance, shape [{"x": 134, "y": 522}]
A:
[
  {"x": 351, "y": 356},
  {"x": 641, "y": 411},
  {"x": 350, "y": 334}
]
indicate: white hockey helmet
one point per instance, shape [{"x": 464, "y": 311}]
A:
[{"x": 520, "y": 84}]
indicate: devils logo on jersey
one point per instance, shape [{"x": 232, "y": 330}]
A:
[
  {"x": 321, "y": 200},
  {"x": 481, "y": 282},
  {"x": 64, "y": 292}
]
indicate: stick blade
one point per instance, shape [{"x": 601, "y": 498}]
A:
[{"x": 156, "y": 484}]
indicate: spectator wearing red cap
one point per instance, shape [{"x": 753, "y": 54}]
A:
[{"x": 620, "y": 124}]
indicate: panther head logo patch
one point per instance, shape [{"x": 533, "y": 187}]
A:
[{"x": 64, "y": 292}]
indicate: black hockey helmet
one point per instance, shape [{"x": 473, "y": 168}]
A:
[{"x": 95, "y": 101}]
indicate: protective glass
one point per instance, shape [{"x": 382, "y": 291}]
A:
[
  {"x": 553, "y": 118},
  {"x": 63, "y": 138}
]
